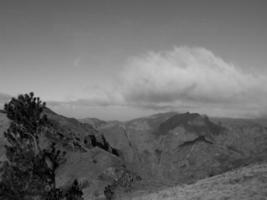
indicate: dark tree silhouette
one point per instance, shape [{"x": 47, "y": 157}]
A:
[
  {"x": 25, "y": 174},
  {"x": 29, "y": 172}
]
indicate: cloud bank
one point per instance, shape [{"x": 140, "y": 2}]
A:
[
  {"x": 193, "y": 78},
  {"x": 184, "y": 79}
]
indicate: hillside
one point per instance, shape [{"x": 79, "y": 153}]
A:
[
  {"x": 93, "y": 122},
  {"x": 176, "y": 148},
  {"x": 165, "y": 149},
  {"x": 246, "y": 183},
  {"x": 88, "y": 154}
]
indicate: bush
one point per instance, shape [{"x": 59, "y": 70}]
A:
[
  {"x": 75, "y": 192},
  {"x": 109, "y": 192}
]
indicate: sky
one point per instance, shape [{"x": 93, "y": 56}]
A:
[{"x": 121, "y": 59}]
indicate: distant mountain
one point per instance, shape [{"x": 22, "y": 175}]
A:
[
  {"x": 183, "y": 147},
  {"x": 163, "y": 149},
  {"x": 93, "y": 122},
  {"x": 192, "y": 122}
]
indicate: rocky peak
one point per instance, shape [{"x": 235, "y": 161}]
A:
[{"x": 190, "y": 122}]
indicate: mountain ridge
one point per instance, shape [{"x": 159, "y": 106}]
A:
[{"x": 188, "y": 148}]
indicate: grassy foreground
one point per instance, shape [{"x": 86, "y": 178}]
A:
[{"x": 247, "y": 183}]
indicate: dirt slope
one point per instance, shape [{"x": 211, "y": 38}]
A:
[{"x": 247, "y": 183}]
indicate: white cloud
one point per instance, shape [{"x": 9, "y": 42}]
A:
[
  {"x": 183, "y": 79},
  {"x": 192, "y": 78}
]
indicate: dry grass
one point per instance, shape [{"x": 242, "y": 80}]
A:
[{"x": 247, "y": 183}]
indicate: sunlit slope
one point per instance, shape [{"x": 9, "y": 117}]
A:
[{"x": 247, "y": 183}]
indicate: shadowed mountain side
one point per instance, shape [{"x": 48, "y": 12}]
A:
[
  {"x": 177, "y": 148},
  {"x": 93, "y": 122},
  {"x": 72, "y": 133},
  {"x": 71, "y": 126},
  {"x": 191, "y": 122}
]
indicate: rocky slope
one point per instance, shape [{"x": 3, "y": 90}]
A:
[
  {"x": 163, "y": 149},
  {"x": 88, "y": 154},
  {"x": 176, "y": 148},
  {"x": 246, "y": 183}
]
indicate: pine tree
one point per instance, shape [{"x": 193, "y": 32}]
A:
[{"x": 27, "y": 173}]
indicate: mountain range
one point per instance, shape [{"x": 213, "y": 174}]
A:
[{"x": 152, "y": 152}]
